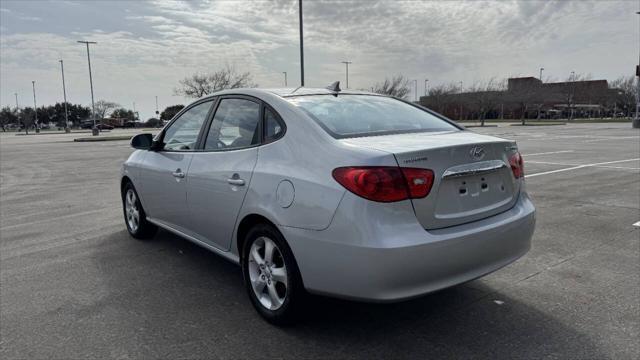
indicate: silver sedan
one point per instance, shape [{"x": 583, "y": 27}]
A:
[{"x": 341, "y": 193}]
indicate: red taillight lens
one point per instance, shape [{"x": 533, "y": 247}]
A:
[
  {"x": 517, "y": 165},
  {"x": 419, "y": 181},
  {"x": 385, "y": 183}
]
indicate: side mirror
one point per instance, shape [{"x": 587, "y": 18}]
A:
[{"x": 142, "y": 141}]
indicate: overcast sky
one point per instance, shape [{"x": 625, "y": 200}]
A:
[{"x": 144, "y": 48}]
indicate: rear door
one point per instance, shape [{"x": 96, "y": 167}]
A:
[
  {"x": 220, "y": 173},
  {"x": 164, "y": 172}
]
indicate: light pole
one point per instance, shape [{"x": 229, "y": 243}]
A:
[
  {"x": 426, "y": 87},
  {"x": 35, "y": 107},
  {"x": 573, "y": 94},
  {"x": 346, "y": 63},
  {"x": 64, "y": 93},
  {"x": 301, "y": 45},
  {"x": 460, "y": 115},
  {"x": 636, "y": 120},
  {"x": 93, "y": 106},
  {"x": 17, "y": 108},
  {"x": 541, "y": 69},
  {"x": 285, "y": 78},
  {"x": 415, "y": 90}
]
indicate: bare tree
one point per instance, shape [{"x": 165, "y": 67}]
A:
[
  {"x": 525, "y": 96},
  {"x": 398, "y": 87},
  {"x": 625, "y": 96},
  {"x": 484, "y": 96},
  {"x": 440, "y": 97},
  {"x": 571, "y": 91},
  {"x": 103, "y": 108},
  {"x": 201, "y": 84}
]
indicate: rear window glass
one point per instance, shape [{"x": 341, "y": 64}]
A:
[{"x": 365, "y": 115}]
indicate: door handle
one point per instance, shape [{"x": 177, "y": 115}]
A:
[
  {"x": 178, "y": 173},
  {"x": 238, "y": 182}
]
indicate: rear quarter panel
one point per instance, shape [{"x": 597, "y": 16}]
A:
[{"x": 305, "y": 157}]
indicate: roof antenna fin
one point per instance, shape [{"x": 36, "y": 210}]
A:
[{"x": 335, "y": 87}]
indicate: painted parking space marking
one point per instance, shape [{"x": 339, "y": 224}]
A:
[
  {"x": 548, "y": 153},
  {"x": 580, "y": 167},
  {"x": 637, "y": 224},
  {"x": 599, "y": 166}
]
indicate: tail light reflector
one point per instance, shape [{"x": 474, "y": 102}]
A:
[
  {"x": 385, "y": 183},
  {"x": 517, "y": 165}
]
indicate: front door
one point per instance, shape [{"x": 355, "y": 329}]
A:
[
  {"x": 220, "y": 174},
  {"x": 165, "y": 171}
]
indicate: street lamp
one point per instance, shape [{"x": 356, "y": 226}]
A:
[
  {"x": 285, "y": 78},
  {"x": 460, "y": 115},
  {"x": 35, "y": 107},
  {"x": 64, "y": 93},
  {"x": 636, "y": 120},
  {"x": 301, "y": 45},
  {"x": 346, "y": 63},
  {"x": 426, "y": 87},
  {"x": 415, "y": 86},
  {"x": 93, "y": 106},
  {"x": 541, "y": 69}
]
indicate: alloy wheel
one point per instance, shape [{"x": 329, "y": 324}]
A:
[
  {"x": 268, "y": 273},
  {"x": 131, "y": 210}
]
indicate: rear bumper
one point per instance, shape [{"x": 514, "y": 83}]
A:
[{"x": 376, "y": 254}]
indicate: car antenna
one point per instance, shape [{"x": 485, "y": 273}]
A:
[
  {"x": 335, "y": 87},
  {"x": 296, "y": 89}
]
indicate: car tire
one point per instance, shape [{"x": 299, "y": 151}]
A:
[
  {"x": 273, "y": 283},
  {"x": 134, "y": 216}
]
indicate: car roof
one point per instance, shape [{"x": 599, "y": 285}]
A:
[{"x": 289, "y": 92}]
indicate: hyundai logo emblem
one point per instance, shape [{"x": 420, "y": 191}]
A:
[{"x": 477, "y": 153}]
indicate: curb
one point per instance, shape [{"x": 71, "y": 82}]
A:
[{"x": 103, "y": 138}]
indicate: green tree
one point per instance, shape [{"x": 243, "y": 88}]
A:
[
  {"x": 170, "y": 111},
  {"x": 123, "y": 113},
  {"x": 27, "y": 118},
  {"x": 8, "y": 116},
  {"x": 153, "y": 122}
]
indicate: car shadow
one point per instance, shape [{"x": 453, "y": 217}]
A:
[{"x": 170, "y": 298}]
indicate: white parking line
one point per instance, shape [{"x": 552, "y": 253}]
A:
[
  {"x": 565, "y": 164},
  {"x": 579, "y": 167},
  {"x": 637, "y": 224},
  {"x": 550, "y": 152}
]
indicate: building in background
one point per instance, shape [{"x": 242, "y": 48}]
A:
[{"x": 530, "y": 98}]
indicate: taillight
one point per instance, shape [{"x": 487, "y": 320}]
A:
[
  {"x": 385, "y": 183},
  {"x": 517, "y": 165}
]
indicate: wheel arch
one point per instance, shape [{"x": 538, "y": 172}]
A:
[
  {"x": 247, "y": 222},
  {"x": 124, "y": 181}
]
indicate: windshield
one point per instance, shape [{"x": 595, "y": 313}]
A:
[{"x": 365, "y": 115}]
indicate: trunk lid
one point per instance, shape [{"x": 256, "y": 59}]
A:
[{"x": 473, "y": 179}]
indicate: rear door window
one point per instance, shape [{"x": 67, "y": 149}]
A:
[{"x": 236, "y": 125}]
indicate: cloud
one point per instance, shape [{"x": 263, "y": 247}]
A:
[{"x": 159, "y": 42}]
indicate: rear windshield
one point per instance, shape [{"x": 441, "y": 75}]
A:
[{"x": 365, "y": 115}]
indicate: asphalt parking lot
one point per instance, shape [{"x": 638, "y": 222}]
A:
[{"x": 75, "y": 285}]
